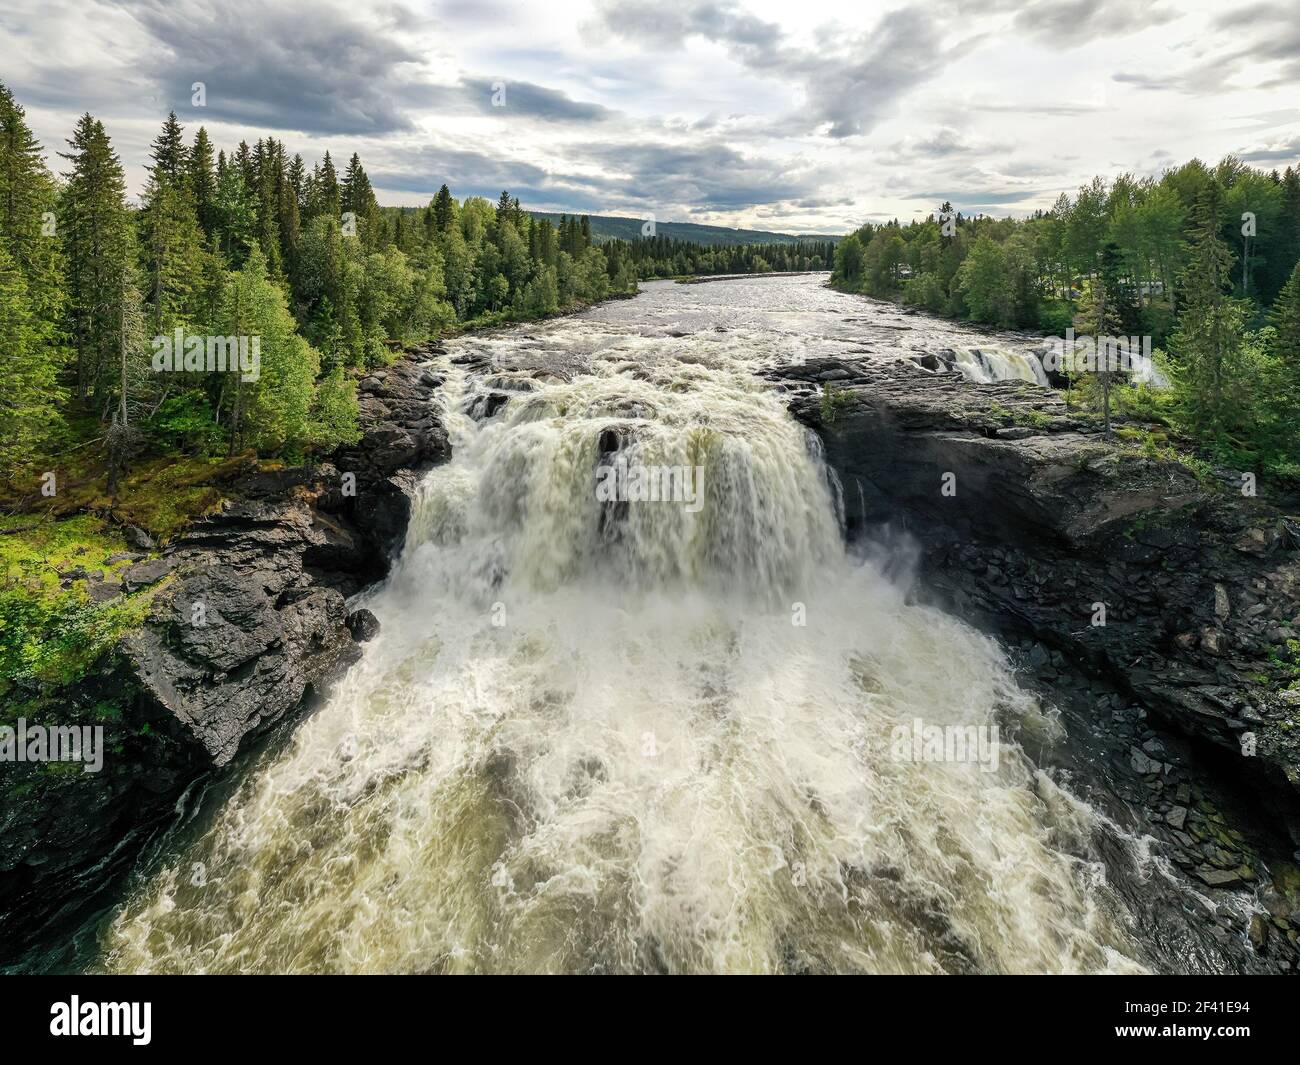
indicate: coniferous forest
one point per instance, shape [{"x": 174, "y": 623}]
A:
[
  {"x": 1204, "y": 261},
  {"x": 241, "y": 243}
]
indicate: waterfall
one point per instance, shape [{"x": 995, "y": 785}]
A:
[
  {"x": 984, "y": 365},
  {"x": 641, "y": 736}
]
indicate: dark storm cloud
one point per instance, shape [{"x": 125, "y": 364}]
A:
[
  {"x": 423, "y": 170},
  {"x": 711, "y": 176},
  {"x": 316, "y": 70},
  {"x": 280, "y": 67},
  {"x": 475, "y": 95},
  {"x": 849, "y": 87}
]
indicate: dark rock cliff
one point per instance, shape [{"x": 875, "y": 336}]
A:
[
  {"x": 1179, "y": 588},
  {"x": 249, "y": 621},
  {"x": 1155, "y": 606}
]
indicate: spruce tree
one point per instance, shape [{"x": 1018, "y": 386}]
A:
[
  {"x": 30, "y": 400},
  {"x": 28, "y": 199},
  {"x": 443, "y": 210},
  {"x": 1208, "y": 342},
  {"x": 203, "y": 181},
  {"x": 328, "y": 189},
  {"x": 99, "y": 248},
  {"x": 171, "y": 240}
]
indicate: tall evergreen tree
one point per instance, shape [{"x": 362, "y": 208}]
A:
[
  {"x": 443, "y": 209},
  {"x": 27, "y": 215},
  {"x": 171, "y": 240},
  {"x": 203, "y": 181},
  {"x": 327, "y": 183},
  {"x": 30, "y": 401},
  {"x": 100, "y": 251},
  {"x": 1210, "y": 335}
]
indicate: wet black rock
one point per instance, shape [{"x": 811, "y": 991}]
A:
[
  {"x": 362, "y": 624},
  {"x": 1177, "y": 591},
  {"x": 248, "y": 619},
  {"x": 143, "y": 574},
  {"x": 377, "y": 476}
]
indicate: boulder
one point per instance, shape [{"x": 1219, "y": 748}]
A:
[{"x": 362, "y": 624}]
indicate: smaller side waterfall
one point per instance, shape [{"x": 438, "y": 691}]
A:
[{"x": 985, "y": 365}]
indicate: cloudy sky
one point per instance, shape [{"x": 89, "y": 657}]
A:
[{"x": 809, "y": 117}]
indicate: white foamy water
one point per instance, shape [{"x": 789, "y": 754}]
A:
[
  {"x": 606, "y": 746},
  {"x": 985, "y": 366}
]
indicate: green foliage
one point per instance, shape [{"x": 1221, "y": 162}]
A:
[
  {"x": 833, "y": 401},
  {"x": 187, "y": 422},
  {"x": 32, "y": 294},
  {"x": 983, "y": 281},
  {"x": 99, "y": 246},
  {"x": 663, "y": 256},
  {"x": 1160, "y": 257},
  {"x": 50, "y": 635},
  {"x": 29, "y": 406}
]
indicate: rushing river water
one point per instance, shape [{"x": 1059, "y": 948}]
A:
[{"x": 659, "y": 738}]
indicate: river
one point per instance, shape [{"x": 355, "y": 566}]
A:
[{"x": 660, "y": 736}]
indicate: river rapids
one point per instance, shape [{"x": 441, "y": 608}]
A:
[{"x": 652, "y": 737}]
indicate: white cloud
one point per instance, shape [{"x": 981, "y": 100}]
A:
[{"x": 811, "y": 117}]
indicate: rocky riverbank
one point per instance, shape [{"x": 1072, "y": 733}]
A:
[
  {"x": 1159, "y": 605},
  {"x": 248, "y": 622},
  {"x": 1155, "y": 606}
]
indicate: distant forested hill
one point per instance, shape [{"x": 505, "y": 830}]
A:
[{"x": 612, "y": 227}]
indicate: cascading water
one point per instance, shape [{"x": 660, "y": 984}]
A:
[
  {"x": 984, "y": 365},
  {"x": 654, "y": 737}
]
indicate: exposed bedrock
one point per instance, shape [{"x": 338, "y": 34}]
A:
[
  {"x": 248, "y": 622},
  {"x": 1179, "y": 590}
]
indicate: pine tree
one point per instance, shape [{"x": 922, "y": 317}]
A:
[
  {"x": 203, "y": 181},
  {"x": 27, "y": 217},
  {"x": 236, "y": 215},
  {"x": 1209, "y": 340},
  {"x": 30, "y": 400},
  {"x": 1285, "y": 319},
  {"x": 355, "y": 193},
  {"x": 170, "y": 159},
  {"x": 172, "y": 242},
  {"x": 99, "y": 248},
  {"x": 327, "y": 183},
  {"x": 443, "y": 209},
  {"x": 289, "y": 217}
]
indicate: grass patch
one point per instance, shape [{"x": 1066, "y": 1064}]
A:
[
  {"x": 52, "y": 636},
  {"x": 833, "y": 401},
  {"x": 161, "y": 494}
]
